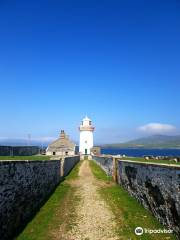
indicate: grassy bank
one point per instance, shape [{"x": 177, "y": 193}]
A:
[
  {"x": 128, "y": 212},
  {"x": 151, "y": 160},
  {"x": 34, "y": 157},
  {"x": 53, "y": 214}
]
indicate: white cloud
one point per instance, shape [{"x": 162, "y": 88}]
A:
[{"x": 157, "y": 128}]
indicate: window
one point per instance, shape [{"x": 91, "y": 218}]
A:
[
  {"x": 66, "y": 153},
  {"x": 90, "y": 122},
  {"x": 54, "y": 153}
]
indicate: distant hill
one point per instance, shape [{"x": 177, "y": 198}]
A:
[
  {"x": 155, "y": 141},
  {"x": 20, "y": 142}
]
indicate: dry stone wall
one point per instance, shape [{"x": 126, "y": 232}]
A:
[
  {"x": 156, "y": 187},
  {"x": 106, "y": 163},
  {"x": 24, "y": 187},
  {"x": 18, "y": 150},
  {"x": 68, "y": 163}
]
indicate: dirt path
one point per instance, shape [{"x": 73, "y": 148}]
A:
[{"x": 94, "y": 220}]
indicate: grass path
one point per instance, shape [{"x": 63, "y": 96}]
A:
[{"x": 88, "y": 206}]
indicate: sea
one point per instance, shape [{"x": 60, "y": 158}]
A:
[{"x": 140, "y": 152}]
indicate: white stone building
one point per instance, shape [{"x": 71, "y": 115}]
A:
[
  {"x": 86, "y": 136},
  {"x": 63, "y": 146}
]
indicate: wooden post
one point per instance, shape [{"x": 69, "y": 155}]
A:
[{"x": 114, "y": 169}]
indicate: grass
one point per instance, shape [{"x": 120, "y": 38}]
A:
[
  {"x": 150, "y": 161},
  {"x": 74, "y": 174},
  {"x": 37, "y": 229},
  {"x": 34, "y": 157},
  {"x": 98, "y": 172},
  {"x": 128, "y": 212},
  {"x": 53, "y": 214}
]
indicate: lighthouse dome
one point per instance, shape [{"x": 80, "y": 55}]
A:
[{"x": 86, "y": 119}]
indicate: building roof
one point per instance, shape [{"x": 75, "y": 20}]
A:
[{"x": 63, "y": 142}]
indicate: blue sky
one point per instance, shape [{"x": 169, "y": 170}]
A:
[{"x": 116, "y": 61}]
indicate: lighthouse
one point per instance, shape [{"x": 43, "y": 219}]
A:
[{"x": 86, "y": 136}]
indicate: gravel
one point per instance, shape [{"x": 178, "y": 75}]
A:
[{"x": 94, "y": 219}]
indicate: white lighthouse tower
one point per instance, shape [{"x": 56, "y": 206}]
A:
[{"x": 86, "y": 136}]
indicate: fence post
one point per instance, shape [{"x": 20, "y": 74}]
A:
[
  {"x": 62, "y": 166},
  {"x": 115, "y": 169}
]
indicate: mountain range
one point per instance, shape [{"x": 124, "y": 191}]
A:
[{"x": 154, "y": 141}]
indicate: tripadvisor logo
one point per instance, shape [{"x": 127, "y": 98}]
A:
[{"x": 139, "y": 231}]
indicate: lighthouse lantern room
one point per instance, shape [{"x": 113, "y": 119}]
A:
[{"x": 86, "y": 136}]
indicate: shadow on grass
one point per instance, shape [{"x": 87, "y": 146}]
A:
[{"x": 35, "y": 226}]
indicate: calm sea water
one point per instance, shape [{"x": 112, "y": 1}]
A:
[{"x": 137, "y": 152}]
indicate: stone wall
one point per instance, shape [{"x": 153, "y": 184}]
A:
[
  {"x": 18, "y": 150},
  {"x": 106, "y": 163},
  {"x": 24, "y": 186},
  {"x": 156, "y": 187},
  {"x": 68, "y": 163}
]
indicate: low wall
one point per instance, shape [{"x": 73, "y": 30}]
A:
[
  {"x": 106, "y": 163},
  {"x": 24, "y": 186},
  {"x": 18, "y": 150},
  {"x": 156, "y": 187},
  {"x": 68, "y": 163}
]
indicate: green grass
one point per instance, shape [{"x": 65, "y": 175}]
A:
[
  {"x": 34, "y": 157},
  {"x": 75, "y": 172},
  {"x": 38, "y": 227},
  {"x": 98, "y": 172},
  {"x": 128, "y": 212},
  {"x": 53, "y": 213},
  {"x": 150, "y": 161}
]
